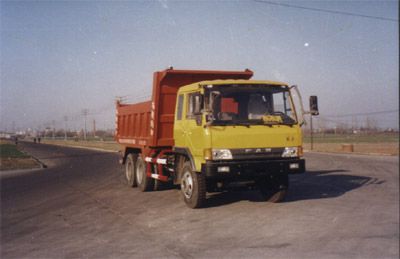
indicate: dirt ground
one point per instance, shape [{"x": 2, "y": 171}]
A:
[{"x": 345, "y": 206}]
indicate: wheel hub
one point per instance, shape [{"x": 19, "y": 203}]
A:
[{"x": 187, "y": 185}]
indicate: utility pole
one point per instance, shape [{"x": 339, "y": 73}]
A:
[
  {"x": 54, "y": 129},
  {"x": 85, "y": 113},
  {"x": 311, "y": 131},
  {"x": 94, "y": 128},
  {"x": 65, "y": 127}
]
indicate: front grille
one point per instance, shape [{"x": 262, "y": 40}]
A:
[{"x": 256, "y": 153}]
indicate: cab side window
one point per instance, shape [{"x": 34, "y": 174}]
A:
[{"x": 179, "y": 107}]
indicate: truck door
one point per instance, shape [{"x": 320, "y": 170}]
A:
[
  {"x": 192, "y": 127},
  {"x": 179, "y": 124}
]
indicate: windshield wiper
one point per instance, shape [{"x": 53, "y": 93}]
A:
[
  {"x": 270, "y": 124},
  {"x": 248, "y": 124},
  {"x": 230, "y": 123},
  {"x": 287, "y": 124},
  {"x": 239, "y": 123},
  {"x": 219, "y": 123}
]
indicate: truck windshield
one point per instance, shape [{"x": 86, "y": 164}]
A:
[{"x": 250, "y": 105}]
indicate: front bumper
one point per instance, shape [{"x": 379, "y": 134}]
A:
[{"x": 251, "y": 169}]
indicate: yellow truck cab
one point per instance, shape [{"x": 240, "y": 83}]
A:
[
  {"x": 236, "y": 130},
  {"x": 217, "y": 133}
]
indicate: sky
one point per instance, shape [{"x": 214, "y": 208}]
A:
[{"x": 59, "y": 58}]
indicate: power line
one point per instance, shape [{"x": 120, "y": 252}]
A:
[
  {"x": 361, "y": 114},
  {"x": 327, "y": 11}
]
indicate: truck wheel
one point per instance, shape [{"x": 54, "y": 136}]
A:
[
  {"x": 193, "y": 187},
  {"x": 130, "y": 170},
  {"x": 274, "y": 189},
  {"x": 145, "y": 183}
]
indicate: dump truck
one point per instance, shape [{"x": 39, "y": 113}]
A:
[{"x": 207, "y": 131}]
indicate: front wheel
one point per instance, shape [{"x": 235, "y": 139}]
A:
[
  {"x": 274, "y": 188},
  {"x": 193, "y": 187}
]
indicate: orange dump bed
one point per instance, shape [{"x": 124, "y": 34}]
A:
[{"x": 150, "y": 124}]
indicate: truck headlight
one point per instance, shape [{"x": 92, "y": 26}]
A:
[
  {"x": 221, "y": 154},
  {"x": 290, "y": 152}
]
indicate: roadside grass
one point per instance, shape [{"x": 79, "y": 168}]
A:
[
  {"x": 8, "y": 150},
  {"x": 353, "y": 138},
  {"x": 383, "y": 143},
  {"x": 12, "y": 158}
]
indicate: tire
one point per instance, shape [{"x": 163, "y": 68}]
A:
[
  {"x": 274, "y": 188},
  {"x": 130, "y": 168},
  {"x": 193, "y": 187},
  {"x": 144, "y": 183}
]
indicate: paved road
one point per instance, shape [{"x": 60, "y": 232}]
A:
[{"x": 343, "y": 207}]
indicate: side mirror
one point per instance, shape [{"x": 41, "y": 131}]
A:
[{"x": 314, "y": 105}]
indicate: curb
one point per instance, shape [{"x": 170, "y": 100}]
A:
[
  {"x": 83, "y": 147},
  {"x": 42, "y": 165},
  {"x": 349, "y": 153}
]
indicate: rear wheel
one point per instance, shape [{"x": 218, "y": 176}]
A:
[
  {"x": 193, "y": 187},
  {"x": 274, "y": 188},
  {"x": 145, "y": 183},
  {"x": 130, "y": 170}
]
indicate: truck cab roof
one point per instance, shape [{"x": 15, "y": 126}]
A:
[{"x": 197, "y": 85}]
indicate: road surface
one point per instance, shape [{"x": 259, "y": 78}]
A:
[{"x": 345, "y": 206}]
